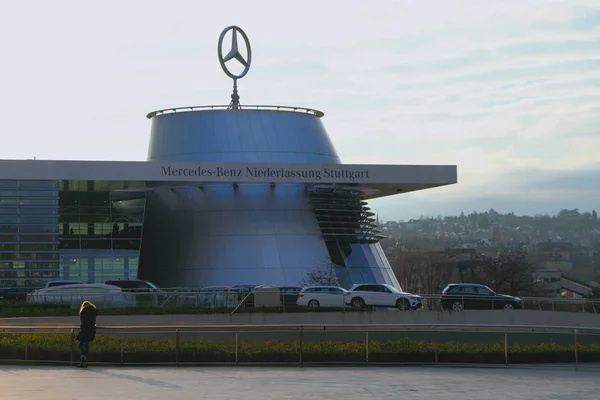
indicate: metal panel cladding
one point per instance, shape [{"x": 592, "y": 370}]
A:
[
  {"x": 248, "y": 234},
  {"x": 241, "y": 136}
]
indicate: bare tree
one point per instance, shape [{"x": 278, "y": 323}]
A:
[
  {"x": 436, "y": 272},
  {"x": 420, "y": 272},
  {"x": 405, "y": 266},
  {"x": 510, "y": 271},
  {"x": 324, "y": 274}
]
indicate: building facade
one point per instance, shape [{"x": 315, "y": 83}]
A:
[
  {"x": 229, "y": 195},
  {"x": 247, "y": 196},
  {"x": 70, "y": 229}
]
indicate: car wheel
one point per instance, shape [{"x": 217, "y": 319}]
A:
[
  {"x": 402, "y": 305},
  {"x": 457, "y": 306},
  {"x": 509, "y": 306},
  {"x": 358, "y": 303},
  {"x": 313, "y": 304}
]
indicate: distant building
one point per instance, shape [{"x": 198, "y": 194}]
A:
[{"x": 554, "y": 255}]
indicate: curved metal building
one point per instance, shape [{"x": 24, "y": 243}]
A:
[
  {"x": 254, "y": 233},
  {"x": 229, "y": 195}
]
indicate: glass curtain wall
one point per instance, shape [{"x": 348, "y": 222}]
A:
[
  {"x": 100, "y": 229},
  {"x": 29, "y": 239}
]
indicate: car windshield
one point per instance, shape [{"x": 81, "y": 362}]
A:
[
  {"x": 490, "y": 290},
  {"x": 393, "y": 289},
  {"x": 152, "y": 285}
]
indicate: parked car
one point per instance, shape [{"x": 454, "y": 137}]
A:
[
  {"x": 133, "y": 285},
  {"x": 314, "y": 297},
  {"x": 16, "y": 293},
  {"x": 381, "y": 295},
  {"x": 74, "y": 294},
  {"x": 289, "y": 295},
  {"x": 143, "y": 292},
  {"x": 58, "y": 282},
  {"x": 246, "y": 294},
  {"x": 472, "y": 296}
]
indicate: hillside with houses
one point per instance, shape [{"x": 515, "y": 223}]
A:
[{"x": 563, "y": 250}]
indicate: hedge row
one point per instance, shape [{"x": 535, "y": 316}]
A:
[{"x": 62, "y": 347}]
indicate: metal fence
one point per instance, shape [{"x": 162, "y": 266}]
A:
[
  {"x": 195, "y": 299},
  {"x": 432, "y": 302},
  {"x": 240, "y": 301},
  {"x": 576, "y": 343}
]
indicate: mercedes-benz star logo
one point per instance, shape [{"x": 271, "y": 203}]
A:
[{"x": 234, "y": 53}]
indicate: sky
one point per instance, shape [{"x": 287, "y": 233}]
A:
[{"x": 508, "y": 91}]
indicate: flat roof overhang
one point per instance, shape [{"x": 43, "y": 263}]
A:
[{"x": 374, "y": 180}]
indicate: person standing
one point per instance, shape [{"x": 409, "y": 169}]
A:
[{"x": 87, "y": 331}]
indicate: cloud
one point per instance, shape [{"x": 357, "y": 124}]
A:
[{"x": 506, "y": 90}]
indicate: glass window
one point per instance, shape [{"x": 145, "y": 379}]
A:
[
  {"x": 8, "y": 228},
  {"x": 334, "y": 253},
  {"x": 483, "y": 291},
  {"x": 38, "y": 246},
  {"x": 7, "y": 210},
  {"x": 38, "y": 237},
  {"x": 94, "y": 199},
  {"x": 9, "y": 201},
  {"x": 37, "y": 219},
  {"x": 10, "y": 219},
  {"x": 392, "y": 289},
  {"x": 70, "y": 186},
  {"x": 53, "y": 194},
  {"x": 38, "y": 229},
  {"x": 9, "y": 256},
  {"x": 4, "y": 238},
  {"x": 9, "y": 184},
  {"x": 38, "y": 211},
  {"x": 107, "y": 186},
  {"x": 39, "y": 256},
  {"x": 38, "y": 184},
  {"x": 43, "y": 265},
  {"x": 38, "y": 202}
]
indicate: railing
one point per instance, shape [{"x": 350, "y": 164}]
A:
[
  {"x": 433, "y": 302},
  {"x": 196, "y": 299},
  {"x": 302, "y": 110},
  {"x": 296, "y": 344},
  {"x": 240, "y": 300}
]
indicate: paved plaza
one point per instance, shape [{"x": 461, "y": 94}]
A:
[{"x": 64, "y": 383}]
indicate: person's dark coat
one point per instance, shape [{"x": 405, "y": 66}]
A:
[{"x": 87, "y": 330}]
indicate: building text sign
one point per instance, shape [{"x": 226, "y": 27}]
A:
[
  {"x": 288, "y": 172},
  {"x": 152, "y": 171}
]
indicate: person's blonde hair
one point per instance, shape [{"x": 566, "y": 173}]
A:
[{"x": 86, "y": 304}]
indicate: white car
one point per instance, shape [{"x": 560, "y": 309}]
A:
[
  {"x": 322, "y": 296},
  {"x": 381, "y": 295}
]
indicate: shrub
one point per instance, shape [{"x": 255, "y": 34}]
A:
[{"x": 116, "y": 349}]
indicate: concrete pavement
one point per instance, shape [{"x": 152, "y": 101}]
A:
[{"x": 264, "y": 383}]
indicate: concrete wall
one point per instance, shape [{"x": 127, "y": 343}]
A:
[{"x": 515, "y": 317}]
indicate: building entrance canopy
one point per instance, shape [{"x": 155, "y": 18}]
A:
[{"x": 374, "y": 180}]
